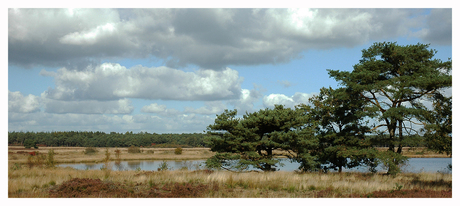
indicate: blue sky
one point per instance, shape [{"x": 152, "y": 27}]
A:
[{"x": 173, "y": 70}]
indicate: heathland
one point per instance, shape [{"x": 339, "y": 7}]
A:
[{"x": 37, "y": 176}]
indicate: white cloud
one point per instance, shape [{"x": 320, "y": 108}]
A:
[
  {"x": 153, "y": 108},
  {"x": 296, "y": 99},
  {"x": 113, "y": 81},
  {"x": 209, "y": 38},
  {"x": 439, "y": 27},
  {"x": 247, "y": 100},
  {"x": 161, "y": 110},
  {"x": 89, "y": 37},
  {"x": 23, "y": 104},
  {"x": 41, "y": 121},
  {"x": 210, "y": 108},
  {"x": 122, "y": 106}
]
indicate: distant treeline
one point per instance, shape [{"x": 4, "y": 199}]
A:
[
  {"x": 145, "y": 139},
  {"x": 101, "y": 139}
]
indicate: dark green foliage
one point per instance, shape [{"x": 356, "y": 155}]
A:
[
  {"x": 438, "y": 131},
  {"x": 394, "y": 80},
  {"x": 341, "y": 130},
  {"x": 251, "y": 140},
  {"x": 29, "y": 143},
  {"x": 113, "y": 139}
]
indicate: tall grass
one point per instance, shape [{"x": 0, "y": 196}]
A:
[{"x": 36, "y": 181}]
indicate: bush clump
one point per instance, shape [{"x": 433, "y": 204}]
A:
[
  {"x": 29, "y": 143},
  {"x": 134, "y": 149},
  {"x": 90, "y": 150},
  {"x": 178, "y": 151},
  {"x": 117, "y": 154},
  {"x": 50, "y": 162}
]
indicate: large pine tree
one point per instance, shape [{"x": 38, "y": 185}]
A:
[{"x": 396, "y": 80}]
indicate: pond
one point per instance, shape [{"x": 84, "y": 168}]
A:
[{"x": 413, "y": 165}]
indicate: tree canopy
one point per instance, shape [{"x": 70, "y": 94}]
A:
[
  {"x": 396, "y": 81},
  {"x": 252, "y": 140},
  {"x": 342, "y": 128}
]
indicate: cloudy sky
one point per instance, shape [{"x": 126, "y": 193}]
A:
[{"x": 173, "y": 70}]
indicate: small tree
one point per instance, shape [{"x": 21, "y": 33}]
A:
[
  {"x": 50, "y": 162},
  {"x": 251, "y": 140},
  {"x": 29, "y": 143}
]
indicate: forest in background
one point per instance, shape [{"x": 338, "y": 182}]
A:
[{"x": 144, "y": 139}]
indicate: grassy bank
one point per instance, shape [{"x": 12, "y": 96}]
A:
[
  {"x": 67, "y": 182},
  {"x": 18, "y": 154}
]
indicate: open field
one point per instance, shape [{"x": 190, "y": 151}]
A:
[
  {"x": 67, "y": 182},
  {"x": 18, "y": 154}
]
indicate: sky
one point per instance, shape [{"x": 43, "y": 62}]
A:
[{"x": 174, "y": 70}]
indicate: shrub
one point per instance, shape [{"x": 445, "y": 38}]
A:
[
  {"x": 107, "y": 155},
  {"x": 36, "y": 160},
  {"x": 50, "y": 159},
  {"x": 117, "y": 154},
  {"x": 90, "y": 150},
  {"x": 28, "y": 143},
  {"x": 134, "y": 149},
  {"x": 163, "y": 166},
  {"x": 178, "y": 151}
]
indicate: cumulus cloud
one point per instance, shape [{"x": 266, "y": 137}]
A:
[
  {"x": 215, "y": 107},
  {"x": 153, "y": 108},
  {"x": 113, "y": 81},
  {"x": 209, "y": 38},
  {"x": 23, "y": 104},
  {"x": 296, "y": 99},
  {"x": 439, "y": 27},
  {"x": 248, "y": 99},
  {"x": 41, "y": 121},
  {"x": 159, "y": 109},
  {"x": 122, "y": 106}
]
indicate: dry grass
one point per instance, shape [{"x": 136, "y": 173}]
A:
[
  {"x": 417, "y": 152},
  {"x": 17, "y": 154},
  {"x": 37, "y": 182}
]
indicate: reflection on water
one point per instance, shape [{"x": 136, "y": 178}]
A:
[{"x": 414, "y": 165}]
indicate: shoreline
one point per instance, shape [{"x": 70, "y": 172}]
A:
[{"x": 19, "y": 154}]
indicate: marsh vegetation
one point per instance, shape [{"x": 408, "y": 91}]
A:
[{"x": 58, "y": 182}]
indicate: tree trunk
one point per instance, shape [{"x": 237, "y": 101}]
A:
[{"x": 400, "y": 137}]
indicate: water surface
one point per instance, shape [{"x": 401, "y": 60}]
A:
[{"x": 414, "y": 165}]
